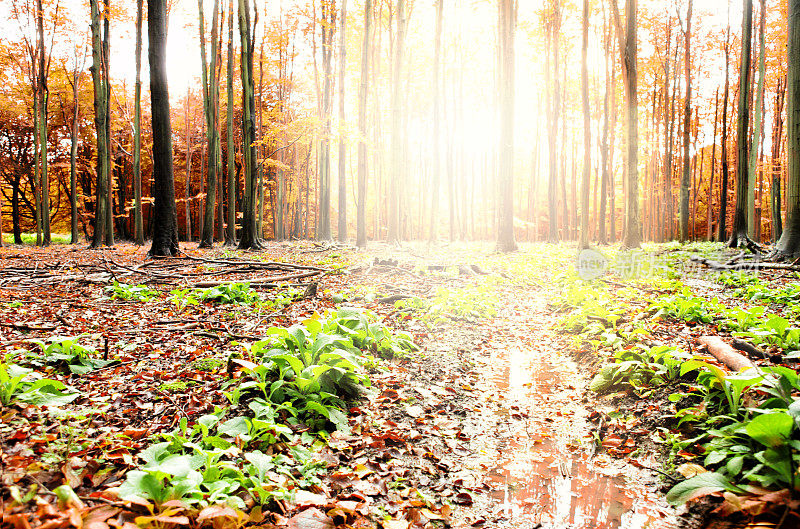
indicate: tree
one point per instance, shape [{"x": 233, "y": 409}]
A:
[
  {"x": 397, "y": 140},
  {"x": 633, "y": 231},
  {"x": 437, "y": 121},
  {"x": 363, "y": 89},
  {"x": 788, "y": 246},
  {"x": 723, "y": 194},
  {"x": 230, "y": 233},
  {"x": 342, "y": 219},
  {"x": 507, "y": 25},
  {"x": 75, "y": 81},
  {"x": 324, "y": 207},
  {"x": 250, "y": 239},
  {"x": 210, "y": 100},
  {"x": 102, "y": 226},
  {"x": 687, "y": 120},
  {"x": 552, "y": 34},
  {"x": 587, "y": 131},
  {"x": 754, "y": 223},
  {"x": 739, "y": 237},
  {"x": 44, "y": 95},
  {"x": 137, "y": 132},
  {"x": 165, "y": 218}
]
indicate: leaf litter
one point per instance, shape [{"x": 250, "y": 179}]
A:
[{"x": 487, "y": 427}]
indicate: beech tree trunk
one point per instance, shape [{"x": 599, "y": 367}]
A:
[
  {"x": 789, "y": 244},
  {"x": 42, "y": 131},
  {"x": 753, "y": 222},
  {"x": 587, "y": 132},
  {"x": 397, "y": 142},
  {"x": 342, "y": 218},
  {"x": 687, "y": 121},
  {"x": 507, "y": 25},
  {"x": 137, "y": 132},
  {"x": 363, "y": 90},
  {"x": 100, "y": 118},
  {"x": 210, "y": 98},
  {"x": 739, "y": 237},
  {"x": 230, "y": 233},
  {"x": 723, "y": 194},
  {"x": 165, "y": 221}
]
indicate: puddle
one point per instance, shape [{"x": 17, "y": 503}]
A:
[{"x": 539, "y": 463}]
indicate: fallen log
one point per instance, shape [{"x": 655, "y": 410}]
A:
[
  {"x": 749, "y": 348},
  {"x": 725, "y": 353}
]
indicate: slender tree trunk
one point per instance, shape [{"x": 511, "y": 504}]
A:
[
  {"x": 107, "y": 85},
  {"x": 710, "y": 197},
  {"x": 100, "y": 117},
  {"x": 210, "y": 99},
  {"x": 723, "y": 196},
  {"x": 342, "y": 224},
  {"x": 363, "y": 90},
  {"x": 165, "y": 222},
  {"x": 788, "y": 246},
  {"x": 739, "y": 236},
  {"x": 249, "y": 240},
  {"x": 324, "y": 204},
  {"x": 553, "y": 32},
  {"x": 507, "y": 25},
  {"x": 188, "y": 203},
  {"x": 687, "y": 121},
  {"x": 137, "y": 133},
  {"x": 230, "y": 234},
  {"x": 42, "y": 131},
  {"x": 587, "y": 132},
  {"x": 73, "y": 156},
  {"x": 775, "y": 167},
  {"x": 753, "y": 222},
  {"x": 397, "y": 141}
]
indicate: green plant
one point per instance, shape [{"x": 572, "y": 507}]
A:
[
  {"x": 131, "y": 292},
  {"x": 207, "y": 364},
  {"x": 182, "y": 298},
  {"x": 639, "y": 367},
  {"x": 775, "y": 331},
  {"x": 175, "y": 386},
  {"x": 23, "y": 384},
  {"x": 66, "y": 351},
  {"x": 230, "y": 293},
  {"x": 685, "y": 306}
]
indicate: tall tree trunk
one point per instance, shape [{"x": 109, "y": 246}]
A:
[
  {"x": 249, "y": 240},
  {"x": 775, "y": 167},
  {"x": 42, "y": 131},
  {"x": 553, "y": 32},
  {"x": 687, "y": 122},
  {"x": 710, "y": 197},
  {"x": 723, "y": 195},
  {"x": 437, "y": 123},
  {"x": 230, "y": 234},
  {"x": 397, "y": 141},
  {"x": 73, "y": 154},
  {"x": 165, "y": 221},
  {"x": 210, "y": 99},
  {"x": 188, "y": 167},
  {"x": 137, "y": 134},
  {"x": 788, "y": 246},
  {"x": 363, "y": 90},
  {"x": 100, "y": 118},
  {"x": 109, "y": 240},
  {"x": 507, "y": 25},
  {"x": 753, "y": 222},
  {"x": 342, "y": 224},
  {"x": 324, "y": 205},
  {"x": 587, "y": 132},
  {"x": 602, "y": 236},
  {"x": 739, "y": 236}
]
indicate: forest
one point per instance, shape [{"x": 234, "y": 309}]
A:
[{"x": 400, "y": 264}]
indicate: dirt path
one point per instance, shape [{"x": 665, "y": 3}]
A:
[{"x": 529, "y": 438}]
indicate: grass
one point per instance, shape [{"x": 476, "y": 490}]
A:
[{"x": 30, "y": 238}]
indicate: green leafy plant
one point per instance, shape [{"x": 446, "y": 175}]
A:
[
  {"x": 230, "y": 293},
  {"x": 131, "y": 292},
  {"x": 24, "y": 385},
  {"x": 182, "y": 298},
  {"x": 639, "y": 367},
  {"x": 68, "y": 352}
]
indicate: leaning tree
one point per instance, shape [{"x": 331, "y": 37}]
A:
[{"x": 165, "y": 217}]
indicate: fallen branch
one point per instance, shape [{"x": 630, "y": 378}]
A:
[
  {"x": 261, "y": 281},
  {"x": 748, "y": 348},
  {"x": 755, "y": 265},
  {"x": 725, "y": 353}
]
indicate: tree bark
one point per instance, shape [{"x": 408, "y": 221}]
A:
[
  {"x": 397, "y": 141},
  {"x": 723, "y": 194},
  {"x": 165, "y": 222},
  {"x": 210, "y": 99},
  {"x": 230, "y": 233},
  {"x": 342, "y": 218},
  {"x": 687, "y": 121},
  {"x": 43, "y": 100},
  {"x": 100, "y": 118},
  {"x": 587, "y": 132},
  {"x": 788, "y": 246},
  {"x": 137, "y": 134},
  {"x": 753, "y": 223},
  {"x": 363, "y": 91},
  {"x": 507, "y": 25},
  {"x": 739, "y": 236}
]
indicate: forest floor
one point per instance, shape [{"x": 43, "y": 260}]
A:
[{"x": 161, "y": 392}]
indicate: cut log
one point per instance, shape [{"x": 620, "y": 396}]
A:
[
  {"x": 725, "y": 353},
  {"x": 749, "y": 348}
]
